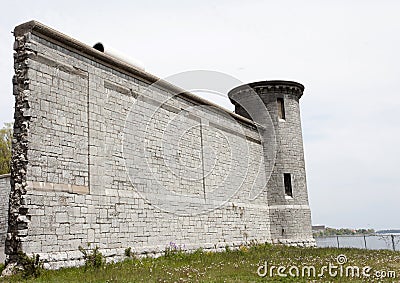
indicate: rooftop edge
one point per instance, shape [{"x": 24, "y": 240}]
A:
[
  {"x": 266, "y": 84},
  {"x": 89, "y": 52}
]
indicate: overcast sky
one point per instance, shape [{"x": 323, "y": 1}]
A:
[{"x": 346, "y": 53}]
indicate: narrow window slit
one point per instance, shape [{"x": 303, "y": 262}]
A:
[
  {"x": 281, "y": 108},
  {"x": 288, "y": 184}
]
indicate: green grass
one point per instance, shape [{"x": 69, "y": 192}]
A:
[{"x": 230, "y": 266}]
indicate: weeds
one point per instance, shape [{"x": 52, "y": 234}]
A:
[
  {"x": 227, "y": 249},
  {"x": 31, "y": 266},
  {"x": 174, "y": 251},
  {"x": 128, "y": 252},
  {"x": 238, "y": 265},
  {"x": 94, "y": 259}
]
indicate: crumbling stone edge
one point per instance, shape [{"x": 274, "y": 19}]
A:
[{"x": 18, "y": 220}]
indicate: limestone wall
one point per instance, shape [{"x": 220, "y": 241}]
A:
[
  {"x": 108, "y": 155},
  {"x": 4, "y": 193}
]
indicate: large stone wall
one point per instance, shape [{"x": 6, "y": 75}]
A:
[
  {"x": 109, "y": 155},
  {"x": 4, "y": 194}
]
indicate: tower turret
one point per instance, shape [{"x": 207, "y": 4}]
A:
[{"x": 290, "y": 215}]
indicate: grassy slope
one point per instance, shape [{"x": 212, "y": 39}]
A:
[{"x": 230, "y": 266}]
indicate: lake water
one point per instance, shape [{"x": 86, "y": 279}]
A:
[{"x": 371, "y": 242}]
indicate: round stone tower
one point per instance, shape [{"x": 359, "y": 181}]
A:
[{"x": 289, "y": 213}]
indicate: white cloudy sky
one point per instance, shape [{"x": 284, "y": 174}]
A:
[{"x": 346, "y": 53}]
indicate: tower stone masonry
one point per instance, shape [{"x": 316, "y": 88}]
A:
[
  {"x": 290, "y": 214},
  {"x": 107, "y": 154}
]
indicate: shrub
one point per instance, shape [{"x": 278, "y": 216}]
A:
[
  {"x": 31, "y": 266},
  {"x": 128, "y": 252},
  {"x": 93, "y": 258}
]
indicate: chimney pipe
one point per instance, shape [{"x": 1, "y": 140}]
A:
[{"x": 118, "y": 55}]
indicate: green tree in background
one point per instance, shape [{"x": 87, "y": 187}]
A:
[{"x": 5, "y": 148}]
